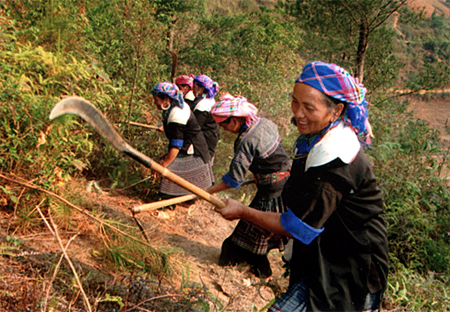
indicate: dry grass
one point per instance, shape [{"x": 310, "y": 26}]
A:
[{"x": 29, "y": 260}]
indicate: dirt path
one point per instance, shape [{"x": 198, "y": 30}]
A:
[
  {"x": 394, "y": 25},
  {"x": 195, "y": 234}
]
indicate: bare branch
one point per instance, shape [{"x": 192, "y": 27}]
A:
[{"x": 387, "y": 16}]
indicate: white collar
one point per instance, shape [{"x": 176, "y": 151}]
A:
[
  {"x": 179, "y": 115},
  {"x": 190, "y": 96},
  {"x": 340, "y": 142},
  {"x": 205, "y": 104}
]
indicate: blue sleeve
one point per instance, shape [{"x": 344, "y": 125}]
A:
[
  {"x": 299, "y": 229},
  {"x": 228, "y": 180},
  {"x": 176, "y": 143}
]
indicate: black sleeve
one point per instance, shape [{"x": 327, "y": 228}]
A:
[{"x": 175, "y": 134}]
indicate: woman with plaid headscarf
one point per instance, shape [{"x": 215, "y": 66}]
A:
[
  {"x": 340, "y": 253},
  {"x": 188, "y": 154},
  {"x": 205, "y": 89},
  {"x": 257, "y": 149}
]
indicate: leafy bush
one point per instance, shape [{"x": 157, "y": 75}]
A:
[
  {"x": 408, "y": 160},
  {"x": 32, "y": 81}
]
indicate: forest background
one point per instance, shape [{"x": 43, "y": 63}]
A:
[{"x": 113, "y": 53}]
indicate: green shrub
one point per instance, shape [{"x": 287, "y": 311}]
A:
[{"x": 407, "y": 157}]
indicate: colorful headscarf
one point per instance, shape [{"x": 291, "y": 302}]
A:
[
  {"x": 211, "y": 87},
  {"x": 337, "y": 83},
  {"x": 171, "y": 90},
  {"x": 234, "y": 106},
  {"x": 185, "y": 80}
]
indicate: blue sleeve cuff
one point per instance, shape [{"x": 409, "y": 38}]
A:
[
  {"x": 228, "y": 180},
  {"x": 299, "y": 229},
  {"x": 176, "y": 143}
]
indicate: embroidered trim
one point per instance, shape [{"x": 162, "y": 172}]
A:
[{"x": 271, "y": 178}]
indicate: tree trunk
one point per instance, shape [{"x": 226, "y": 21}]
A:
[
  {"x": 362, "y": 48},
  {"x": 170, "y": 36}
]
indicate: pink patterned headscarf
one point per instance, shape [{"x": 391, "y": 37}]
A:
[
  {"x": 234, "y": 106},
  {"x": 185, "y": 80}
]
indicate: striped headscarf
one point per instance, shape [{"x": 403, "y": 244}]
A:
[
  {"x": 234, "y": 106},
  {"x": 337, "y": 83},
  {"x": 211, "y": 87},
  {"x": 185, "y": 80},
  {"x": 171, "y": 90}
]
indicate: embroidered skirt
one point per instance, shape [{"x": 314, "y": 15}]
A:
[
  {"x": 211, "y": 164},
  {"x": 257, "y": 240},
  {"x": 191, "y": 168}
]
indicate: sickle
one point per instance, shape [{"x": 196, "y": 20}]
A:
[{"x": 79, "y": 106}]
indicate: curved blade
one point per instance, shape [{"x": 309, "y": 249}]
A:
[{"x": 79, "y": 106}]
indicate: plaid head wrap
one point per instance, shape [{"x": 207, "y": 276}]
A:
[
  {"x": 337, "y": 83},
  {"x": 171, "y": 90},
  {"x": 185, "y": 80},
  {"x": 234, "y": 106},
  {"x": 211, "y": 87}
]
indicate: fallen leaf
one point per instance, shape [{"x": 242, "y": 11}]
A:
[{"x": 41, "y": 139}]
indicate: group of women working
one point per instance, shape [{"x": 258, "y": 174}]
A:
[
  {"x": 326, "y": 201},
  {"x": 192, "y": 132}
]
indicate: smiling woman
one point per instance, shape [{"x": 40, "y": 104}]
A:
[{"x": 309, "y": 113}]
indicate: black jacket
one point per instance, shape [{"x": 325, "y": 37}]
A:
[{"x": 350, "y": 257}]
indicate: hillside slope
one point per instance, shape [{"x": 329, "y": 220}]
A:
[
  {"x": 438, "y": 7},
  {"x": 191, "y": 236}
]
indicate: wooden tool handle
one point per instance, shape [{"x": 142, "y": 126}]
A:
[
  {"x": 162, "y": 203},
  {"x": 143, "y": 125},
  {"x": 187, "y": 185}
]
